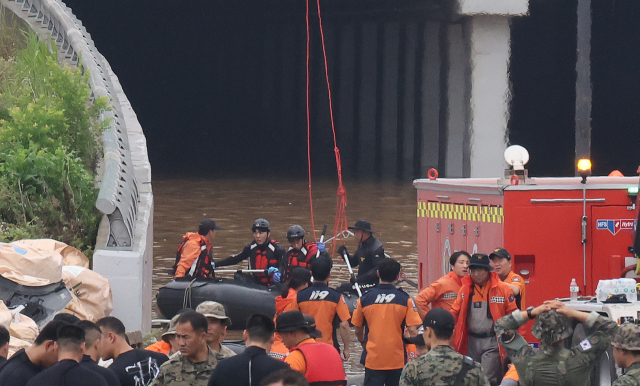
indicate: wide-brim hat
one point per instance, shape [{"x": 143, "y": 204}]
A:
[
  {"x": 291, "y": 321},
  {"x": 551, "y": 327},
  {"x": 172, "y": 329},
  {"x": 480, "y": 260},
  {"x": 500, "y": 252},
  {"x": 363, "y": 225},
  {"x": 312, "y": 330},
  {"x": 213, "y": 310}
]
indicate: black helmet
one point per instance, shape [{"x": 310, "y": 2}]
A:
[
  {"x": 261, "y": 224},
  {"x": 295, "y": 232}
]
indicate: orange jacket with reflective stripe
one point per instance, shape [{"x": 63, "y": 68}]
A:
[{"x": 501, "y": 302}]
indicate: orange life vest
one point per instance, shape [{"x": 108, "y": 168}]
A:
[{"x": 324, "y": 365}]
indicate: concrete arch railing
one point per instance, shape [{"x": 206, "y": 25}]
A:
[{"x": 125, "y": 237}]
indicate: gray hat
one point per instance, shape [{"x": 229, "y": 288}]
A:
[
  {"x": 627, "y": 337},
  {"x": 551, "y": 327},
  {"x": 213, "y": 310}
]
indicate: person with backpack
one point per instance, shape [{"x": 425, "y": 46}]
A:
[{"x": 193, "y": 258}]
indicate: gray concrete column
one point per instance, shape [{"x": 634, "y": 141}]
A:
[
  {"x": 477, "y": 88},
  {"x": 488, "y": 38}
]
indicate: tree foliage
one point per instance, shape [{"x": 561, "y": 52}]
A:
[{"x": 49, "y": 148}]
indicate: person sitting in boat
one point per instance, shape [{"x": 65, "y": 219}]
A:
[
  {"x": 369, "y": 255},
  {"x": 193, "y": 258},
  {"x": 263, "y": 253},
  {"x": 301, "y": 253}
]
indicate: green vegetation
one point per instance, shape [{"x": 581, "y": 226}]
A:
[{"x": 49, "y": 145}]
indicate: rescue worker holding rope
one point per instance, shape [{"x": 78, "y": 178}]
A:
[
  {"x": 263, "y": 253},
  {"x": 193, "y": 258}
]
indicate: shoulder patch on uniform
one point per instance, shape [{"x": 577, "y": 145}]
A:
[
  {"x": 450, "y": 295},
  {"x": 512, "y": 298},
  {"x": 515, "y": 279},
  {"x": 499, "y": 299},
  {"x": 585, "y": 345}
]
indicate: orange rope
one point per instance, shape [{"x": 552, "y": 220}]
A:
[{"x": 340, "y": 222}]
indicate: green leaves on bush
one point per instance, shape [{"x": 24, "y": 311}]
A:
[{"x": 49, "y": 148}]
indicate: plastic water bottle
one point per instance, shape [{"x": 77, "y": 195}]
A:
[{"x": 573, "y": 289}]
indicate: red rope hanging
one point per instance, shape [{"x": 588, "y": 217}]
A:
[
  {"x": 313, "y": 224},
  {"x": 340, "y": 222}
]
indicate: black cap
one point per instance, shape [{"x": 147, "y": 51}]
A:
[
  {"x": 312, "y": 331},
  {"x": 418, "y": 340},
  {"x": 207, "y": 225},
  {"x": 363, "y": 225},
  {"x": 291, "y": 321},
  {"x": 480, "y": 260},
  {"x": 439, "y": 318},
  {"x": 500, "y": 252}
]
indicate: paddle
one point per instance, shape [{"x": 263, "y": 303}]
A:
[{"x": 353, "y": 277}]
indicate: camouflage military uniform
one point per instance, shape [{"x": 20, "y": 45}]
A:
[
  {"x": 179, "y": 371},
  {"x": 631, "y": 377},
  {"x": 440, "y": 366},
  {"x": 224, "y": 352},
  {"x": 550, "y": 365},
  {"x": 628, "y": 338}
]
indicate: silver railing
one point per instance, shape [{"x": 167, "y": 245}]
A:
[{"x": 118, "y": 174}]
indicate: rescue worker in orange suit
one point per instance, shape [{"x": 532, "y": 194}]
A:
[
  {"x": 193, "y": 260},
  {"x": 369, "y": 254},
  {"x": 325, "y": 305},
  {"x": 380, "y": 318},
  {"x": 300, "y": 279},
  {"x": 444, "y": 291},
  {"x": 263, "y": 253},
  {"x": 482, "y": 300},
  {"x": 301, "y": 253},
  {"x": 501, "y": 263},
  {"x": 319, "y": 362}
]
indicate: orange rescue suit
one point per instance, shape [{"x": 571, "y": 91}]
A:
[
  {"x": 190, "y": 252},
  {"x": 440, "y": 294},
  {"x": 501, "y": 302}
]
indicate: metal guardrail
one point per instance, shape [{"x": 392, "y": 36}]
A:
[{"x": 119, "y": 194}]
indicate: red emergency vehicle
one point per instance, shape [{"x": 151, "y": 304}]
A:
[{"x": 556, "y": 229}]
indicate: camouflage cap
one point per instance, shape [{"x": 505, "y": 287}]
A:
[
  {"x": 627, "y": 337},
  {"x": 213, "y": 310},
  {"x": 551, "y": 327},
  {"x": 172, "y": 329}
]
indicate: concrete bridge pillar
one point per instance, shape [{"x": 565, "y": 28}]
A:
[{"x": 477, "y": 86}]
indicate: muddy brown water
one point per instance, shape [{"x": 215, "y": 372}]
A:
[{"x": 180, "y": 204}]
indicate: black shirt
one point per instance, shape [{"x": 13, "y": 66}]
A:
[
  {"x": 67, "y": 372},
  {"x": 137, "y": 367},
  {"x": 369, "y": 255},
  {"x": 18, "y": 370},
  {"x": 108, "y": 375},
  {"x": 234, "y": 371}
]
